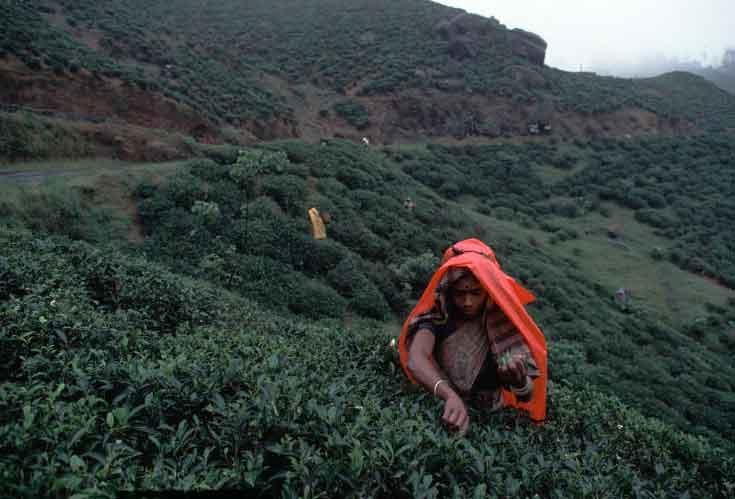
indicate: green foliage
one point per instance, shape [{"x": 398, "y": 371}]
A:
[
  {"x": 415, "y": 271},
  {"x": 100, "y": 400},
  {"x": 231, "y": 64},
  {"x": 376, "y": 255},
  {"x": 689, "y": 200},
  {"x": 26, "y": 33},
  {"x": 59, "y": 210},
  {"x": 313, "y": 299},
  {"x": 354, "y": 112},
  {"x": 262, "y": 201},
  {"x": 24, "y": 136},
  {"x": 379, "y": 254}
]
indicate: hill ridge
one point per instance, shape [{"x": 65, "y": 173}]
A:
[{"x": 237, "y": 78}]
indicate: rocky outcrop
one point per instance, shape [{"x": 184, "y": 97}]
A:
[
  {"x": 466, "y": 34},
  {"x": 528, "y": 45},
  {"x": 464, "y": 24}
]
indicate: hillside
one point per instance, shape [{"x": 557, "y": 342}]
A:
[
  {"x": 723, "y": 77},
  {"x": 199, "y": 389},
  {"x": 168, "y": 320},
  {"x": 395, "y": 72},
  {"x": 574, "y": 223},
  {"x": 189, "y": 369}
]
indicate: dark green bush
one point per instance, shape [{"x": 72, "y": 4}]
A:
[
  {"x": 354, "y": 112},
  {"x": 270, "y": 405},
  {"x": 264, "y": 252},
  {"x": 313, "y": 299}
]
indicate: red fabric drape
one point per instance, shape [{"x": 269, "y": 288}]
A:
[{"x": 510, "y": 297}]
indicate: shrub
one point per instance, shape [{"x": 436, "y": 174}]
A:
[
  {"x": 10, "y": 282},
  {"x": 254, "y": 405},
  {"x": 208, "y": 169},
  {"x": 313, "y": 299},
  {"x": 289, "y": 191},
  {"x": 655, "y": 218},
  {"x": 354, "y": 112}
]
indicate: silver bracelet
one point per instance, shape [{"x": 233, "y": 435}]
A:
[{"x": 436, "y": 385}]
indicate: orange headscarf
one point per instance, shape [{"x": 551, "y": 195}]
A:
[{"x": 510, "y": 296}]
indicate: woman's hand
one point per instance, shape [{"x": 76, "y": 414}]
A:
[
  {"x": 455, "y": 414},
  {"x": 424, "y": 368},
  {"x": 513, "y": 372}
]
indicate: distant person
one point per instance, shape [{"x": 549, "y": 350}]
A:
[{"x": 470, "y": 339}]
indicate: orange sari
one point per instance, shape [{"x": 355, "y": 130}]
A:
[{"x": 510, "y": 296}]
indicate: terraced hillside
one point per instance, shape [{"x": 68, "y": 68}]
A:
[
  {"x": 554, "y": 216},
  {"x": 393, "y": 71},
  {"x": 199, "y": 331}
]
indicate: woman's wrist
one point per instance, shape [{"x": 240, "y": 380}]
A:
[
  {"x": 437, "y": 383},
  {"x": 524, "y": 390},
  {"x": 445, "y": 391}
]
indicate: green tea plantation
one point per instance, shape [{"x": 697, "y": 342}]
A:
[{"x": 119, "y": 375}]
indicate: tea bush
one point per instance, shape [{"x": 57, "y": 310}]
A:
[
  {"x": 262, "y": 212},
  {"x": 354, "y": 112},
  {"x": 378, "y": 253},
  {"x": 101, "y": 400},
  {"x": 258, "y": 249}
]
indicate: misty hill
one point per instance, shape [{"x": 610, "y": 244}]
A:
[
  {"x": 393, "y": 71},
  {"x": 722, "y": 75}
]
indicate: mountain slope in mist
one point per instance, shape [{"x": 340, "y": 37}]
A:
[{"x": 393, "y": 71}]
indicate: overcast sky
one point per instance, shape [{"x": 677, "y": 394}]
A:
[{"x": 603, "y": 34}]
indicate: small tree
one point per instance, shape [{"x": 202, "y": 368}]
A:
[{"x": 249, "y": 165}]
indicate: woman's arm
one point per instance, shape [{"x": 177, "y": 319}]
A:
[{"x": 426, "y": 372}]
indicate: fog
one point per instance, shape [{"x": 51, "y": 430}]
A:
[{"x": 621, "y": 37}]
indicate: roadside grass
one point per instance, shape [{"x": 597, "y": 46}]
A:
[{"x": 100, "y": 189}]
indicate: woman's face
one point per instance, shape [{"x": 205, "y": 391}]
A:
[{"x": 469, "y": 297}]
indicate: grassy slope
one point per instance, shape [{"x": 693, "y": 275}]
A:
[
  {"x": 574, "y": 277},
  {"x": 669, "y": 290},
  {"x": 93, "y": 198},
  {"x": 656, "y": 285}
]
